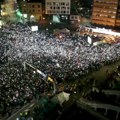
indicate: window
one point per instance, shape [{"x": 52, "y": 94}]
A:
[
  {"x": 38, "y": 6},
  {"x": 62, "y": 3},
  {"x": 48, "y": 3},
  {"x": 53, "y": 3},
  {"x": 68, "y": 12},
  {"x": 57, "y": 4},
  {"x": 63, "y": 7},
  {"x": 48, "y": 11},
  {"x": 68, "y": 8},
  {"x": 33, "y": 6},
  {"x": 57, "y": 11},
  {"x": 67, "y": 4}
]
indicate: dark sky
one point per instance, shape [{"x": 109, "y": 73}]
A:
[
  {"x": 84, "y": 1},
  {"x": 35, "y": 0},
  {"x": 87, "y": 2}
]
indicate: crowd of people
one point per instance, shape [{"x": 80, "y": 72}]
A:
[{"x": 61, "y": 58}]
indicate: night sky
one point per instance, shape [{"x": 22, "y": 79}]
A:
[{"x": 86, "y": 2}]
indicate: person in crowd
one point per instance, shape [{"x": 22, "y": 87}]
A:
[{"x": 64, "y": 59}]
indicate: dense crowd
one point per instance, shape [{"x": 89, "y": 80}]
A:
[{"x": 61, "y": 58}]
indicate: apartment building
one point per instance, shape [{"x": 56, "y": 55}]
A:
[
  {"x": 32, "y": 9},
  {"x": 105, "y": 12},
  {"x": 8, "y": 10},
  {"x": 117, "y": 24},
  {"x": 58, "y": 7}
]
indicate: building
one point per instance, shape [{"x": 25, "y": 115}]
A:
[
  {"x": 106, "y": 12},
  {"x": 118, "y": 16},
  {"x": 0, "y": 9},
  {"x": 61, "y": 8},
  {"x": 58, "y": 7},
  {"x": 31, "y": 10},
  {"x": 8, "y": 10}
]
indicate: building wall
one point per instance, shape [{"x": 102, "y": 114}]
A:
[
  {"x": 34, "y": 9},
  {"x": 118, "y": 16},
  {"x": 57, "y": 7},
  {"x": 8, "y": 10},
  {"x": 105, "y": 12}
]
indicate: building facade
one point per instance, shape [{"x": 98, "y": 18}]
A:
[
  {"x": 33, "y": 10},
  {"x": 8, "y": 10},
  {"x": 118, "y": 16},
  {"x": 58, "y": 7},
  {"x": 105, "y": 12}
]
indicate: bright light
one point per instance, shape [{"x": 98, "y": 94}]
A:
[
  {"x": 60, "y": 36},
  {"x": 95, "y": 43},
  {"x": 89, "y": 40},
  {"x": 32, "y": 16},
  {"x": 105, "y": 31},
  {"x": 19, "y": 13},
  {"x": 0, "y": 22},
  {"x": 56, "y": 18},
  {"x": 25, "y": 15},
  {"x": 34, "y": 28},
  {"x": 58, "y": 65}
]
